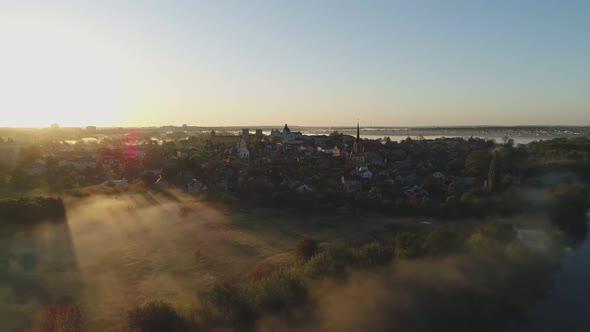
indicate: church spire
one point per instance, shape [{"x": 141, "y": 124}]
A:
[{"x": 358, "y": 131}]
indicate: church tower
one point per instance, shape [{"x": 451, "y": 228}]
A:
[{"x": 356, "y": 146}]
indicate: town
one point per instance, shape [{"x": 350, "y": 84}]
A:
[{"x": 272, "y": 168}]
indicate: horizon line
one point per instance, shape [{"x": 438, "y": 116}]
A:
[{"x": 301, "y": 126}]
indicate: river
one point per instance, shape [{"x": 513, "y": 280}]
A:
[{"x": 566, "y": 307}]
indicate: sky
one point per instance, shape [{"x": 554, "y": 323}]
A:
[{"x": 310, "y": 63}]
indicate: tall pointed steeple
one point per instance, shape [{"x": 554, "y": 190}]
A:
[{"x": 356, "y": 145}]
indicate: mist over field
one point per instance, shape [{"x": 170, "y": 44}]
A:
[
  {"x": 117, "y": 252},
  {"x": 114, "y": 253}
]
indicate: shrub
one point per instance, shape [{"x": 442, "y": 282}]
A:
[
  {"x": 62, "y": 318},
  {"x": 155, "y": 316},
  {"x": 516, "y": 250},
  {"x": 373, "y": 254},
  {"x": 441, "y": 241},
  {"x": 230, "y": 302},
  {"x": 279, "y": 292},
  {"x": 306, "y": 249},
  {"x": 332, "y": 262},
  {"x": 407, "y": 245}
]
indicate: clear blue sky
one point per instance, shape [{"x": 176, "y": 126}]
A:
[{"x": 324, "y": 63}]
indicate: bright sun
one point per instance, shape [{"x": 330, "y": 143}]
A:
[{"x": 52, "y": 73}]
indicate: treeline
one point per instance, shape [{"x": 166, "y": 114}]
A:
[
  {"x": 499, "y": 276},
  {"x": 29, "y": 210}
]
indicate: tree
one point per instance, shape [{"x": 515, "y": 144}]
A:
[
  {"x": 494, "y": 172},
  {"x": 306, "y": 249},
  {"x": 335, "y": 133},
  {"x": 567, "y": 205},
  {"x": 431, "y": 184},
  {"x": 478, "y": 163},
  {"x": 455, "y": 166}
]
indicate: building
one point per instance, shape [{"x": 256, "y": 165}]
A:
[
  {"x": 336, "y": 152},
  {"x": 79, "y": 163},
  {"x": 224, "y": 139},
  {"x": 287, "y": 135},
  {"x": 357, "y": 145},
  {"x": 243, "y": 152}
]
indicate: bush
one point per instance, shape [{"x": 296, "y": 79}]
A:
[
  {"x": 62, "y": 318},
  {"x": 281, "y": 291},
  {"x": 491, "y": 235},
  {"x": 155, "y": 316},
  {"x": 407, "y": 245},
  {"x": 306, "y": 249},
  {"x": 441, "y": 241},
  {"x": 332, "y": 262},
  {"x": 373, "y": 254},
  {"x": 230, "y": 302},
  {"x": 516, "y": 250}
]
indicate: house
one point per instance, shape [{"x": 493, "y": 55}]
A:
[
  {"x": 366, "y": 158},
  {"x": 304, "y": 188},
  {"x": 415, "y": 191},
  {"x": 351, "y": 184},
  {"x": 336, "y": 152},
  {"x": 465, "y": 182},
  {"x": 366, "y": 174},
  {"x": 195, "y": 186},
  {"x": 80, "y": 163},
  {"x": 440, "y": 177},
  {"x": 152, "y": 166},
  {"x": 112, "y": 161},
  {"x": 35, "y": 168}
]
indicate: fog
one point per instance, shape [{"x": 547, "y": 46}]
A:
[
  {"x": 400, "y": 297},
  {"x": 113, "y": 253},
  {"x": 117, "y": 252}
]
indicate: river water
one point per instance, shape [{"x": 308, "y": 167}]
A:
[{"x": 566, "y": 307}]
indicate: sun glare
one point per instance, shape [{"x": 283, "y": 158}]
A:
[{"x": 54, "y": 73}]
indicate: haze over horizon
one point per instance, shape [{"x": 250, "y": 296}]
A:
[{"x": 239, "y": 63}]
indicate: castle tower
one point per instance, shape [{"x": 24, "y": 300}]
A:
[{"x": 246, "y": 134}]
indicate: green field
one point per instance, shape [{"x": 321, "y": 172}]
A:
[{"x": 116, "y": 252}]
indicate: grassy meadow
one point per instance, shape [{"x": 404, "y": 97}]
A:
[{"x": 116, "y": 252}]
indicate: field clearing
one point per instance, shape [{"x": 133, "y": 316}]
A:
[{"x": 117, "y": 252}]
